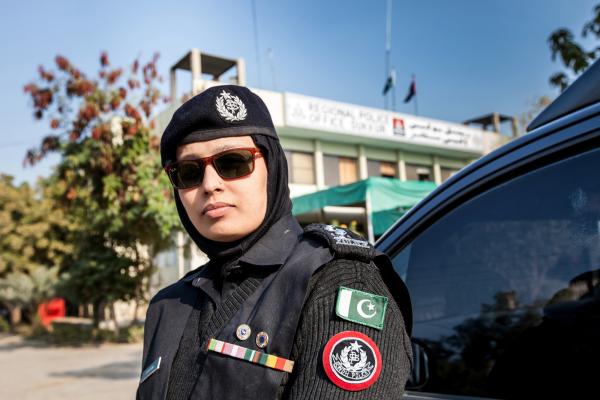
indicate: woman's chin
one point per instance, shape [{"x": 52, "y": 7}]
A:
[{"x": 222, "y": 234}]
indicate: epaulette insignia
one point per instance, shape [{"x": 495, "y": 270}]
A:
[{"x": 345, "y": 243}]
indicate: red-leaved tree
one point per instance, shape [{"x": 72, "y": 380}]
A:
[{"x": 109, "y": 178}]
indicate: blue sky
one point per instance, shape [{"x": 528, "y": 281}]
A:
[{"x": 470, "y": 57}]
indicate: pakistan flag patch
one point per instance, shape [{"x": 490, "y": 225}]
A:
[{"x": 361, "y": 307}]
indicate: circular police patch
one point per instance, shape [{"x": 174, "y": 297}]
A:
[{"x": 352, "y": 360}]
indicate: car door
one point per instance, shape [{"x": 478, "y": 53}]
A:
[{"x": 503, "y": 269}]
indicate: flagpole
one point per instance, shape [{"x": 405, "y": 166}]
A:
[
  {"x": 369, "y": 212},
  {"x": 388, "y": 46},
  {"x": 393, "y": 89},
  {"x": 416, "y": 105},
  {"x": 416, "y": 96}
]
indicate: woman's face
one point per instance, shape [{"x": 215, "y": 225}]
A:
[{"x": 225, "y": 210}]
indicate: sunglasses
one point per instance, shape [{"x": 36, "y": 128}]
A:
[{"x": 229, "y": 164}]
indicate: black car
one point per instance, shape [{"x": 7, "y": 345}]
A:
[{"x": 503, "y": 264}]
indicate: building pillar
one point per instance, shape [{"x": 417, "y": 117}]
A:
[
  {"x": 241, "y": 72},
  {"x": 496, "y": 120},
  {"x": 363, "y": 171},
  {"x": 180, "y": 254},
  {"x": 196, "y": 67},
  {"x": 515, "y": 127},
  {"x": 173, "y": 85},
  {"x": 319, "y": 165},
  {"x": 401, "y": 165},
  {"x": 437, "y": 171}
]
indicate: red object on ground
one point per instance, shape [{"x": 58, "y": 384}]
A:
[{"x": 50, "y": 310}]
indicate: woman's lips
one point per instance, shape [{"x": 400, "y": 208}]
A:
[{"x": 216, "y": 210}]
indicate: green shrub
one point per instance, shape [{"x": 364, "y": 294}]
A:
[
  {"x": 131, "y": 334},
  {"x": 4, "y": 325},
  {"x": 73, "y": 333}
]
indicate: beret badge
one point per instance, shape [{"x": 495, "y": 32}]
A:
[{"x": 231, "y": 107}]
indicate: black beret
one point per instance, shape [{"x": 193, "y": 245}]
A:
[{"x": 217, "y": 112}]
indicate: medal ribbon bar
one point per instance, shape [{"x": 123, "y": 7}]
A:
[{"x": 253, "y": 356}]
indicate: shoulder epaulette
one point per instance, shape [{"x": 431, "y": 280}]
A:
[{"x": 345, "y": 243}]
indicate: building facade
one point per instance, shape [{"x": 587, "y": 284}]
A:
[{"x": 330, "y": 143}]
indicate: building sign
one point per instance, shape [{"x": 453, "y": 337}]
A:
[
  {"x": 330, "y": 116},
  {"x": 428, "y": 131},
  {"x": 318, "y": 114}
]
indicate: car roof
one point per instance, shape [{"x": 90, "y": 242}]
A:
[{"x": 581, "y": 93}]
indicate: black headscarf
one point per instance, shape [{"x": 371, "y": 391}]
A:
[
  {"x": 227, "y": 111},
  {"x": 278, "y": 205}
]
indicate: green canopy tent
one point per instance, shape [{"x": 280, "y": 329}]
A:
[{"x": 385, "y": 200}]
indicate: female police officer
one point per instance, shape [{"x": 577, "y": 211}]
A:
[{"x": 278, "y": 312}]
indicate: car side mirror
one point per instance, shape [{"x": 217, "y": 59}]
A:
[{"x": 420, "y": 372}]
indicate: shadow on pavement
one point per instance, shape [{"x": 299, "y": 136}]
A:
[
  {"x": 117, "y": 370},
  {"x": 14, "y": 342}
]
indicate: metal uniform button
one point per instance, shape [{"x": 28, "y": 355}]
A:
[
  {"x": 262, "y": 339},
  {"x": 243, "y": 332}
]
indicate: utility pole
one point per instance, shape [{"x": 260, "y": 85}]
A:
[{"x": 256, "y": 46}]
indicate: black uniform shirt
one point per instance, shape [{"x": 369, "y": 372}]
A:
[{"x": 223, "y": 290}]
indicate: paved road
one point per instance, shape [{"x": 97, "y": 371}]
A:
[{"x": 35, "y": 371}]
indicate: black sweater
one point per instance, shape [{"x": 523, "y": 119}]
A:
[{"x": 318, "y": 323}]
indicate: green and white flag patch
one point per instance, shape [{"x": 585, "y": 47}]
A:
[{"x": 361, "y": 307}]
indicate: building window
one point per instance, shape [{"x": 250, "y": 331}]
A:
[
  {"x": 381, "y": 168},
  {"x": 348, "y": 170},
  {"x": 340, "y": 170},
  {"x": 301, "y": 167},
  {"x": 416, "y": 172},
  {"x": 447, "y": 173}
]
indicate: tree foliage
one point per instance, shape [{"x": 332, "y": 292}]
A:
[
  {"x": 109, "y": 179},
  {"x": 35, "y": 242},
  {"x": 33, "y": 232},
  {"x": 573, "y": 55},
  {"x": 536, "y": 106}
]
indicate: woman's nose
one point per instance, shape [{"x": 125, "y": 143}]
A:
[{"x": 212, "y": 181}]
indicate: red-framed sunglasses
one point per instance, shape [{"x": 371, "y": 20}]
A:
[{"x": 229, "y": 164}]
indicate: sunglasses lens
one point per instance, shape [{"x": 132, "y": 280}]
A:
[
  {"x": 229, "y": 165},
  {"x": 234, "y": 164},
  {"x": 187, "y": 174}
]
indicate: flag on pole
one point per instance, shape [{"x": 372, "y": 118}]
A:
[
  {"x": 412, "y": 91},
  {"x": 390, "y": 82}
]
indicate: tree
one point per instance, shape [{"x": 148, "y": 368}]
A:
[
  {"x": 109, "y": 178},
  {"x": 34, "y": 243},
  {"x": 574, "y": 57},
  {"x": 535, "y": 108}
]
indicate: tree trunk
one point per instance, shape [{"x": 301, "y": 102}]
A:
[
  {"x": 113, "y": 315},
  {"x": 98, "y": 308},
  {"x": 15, "y": 315},
  {"x": 135, "y": 320}
]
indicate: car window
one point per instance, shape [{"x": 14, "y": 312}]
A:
[{"x": 505, "y": 286}]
